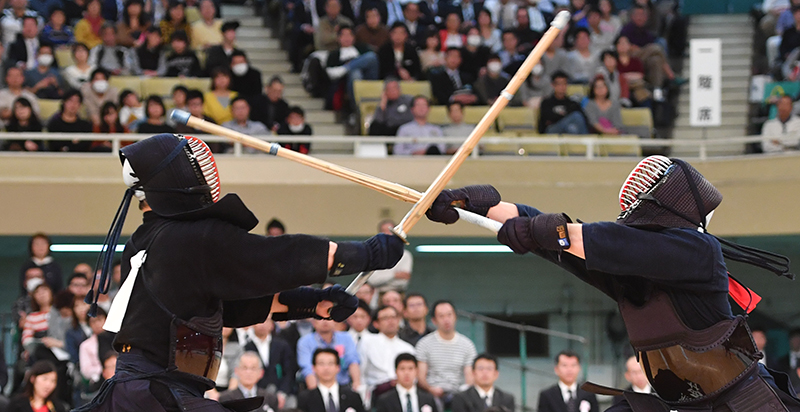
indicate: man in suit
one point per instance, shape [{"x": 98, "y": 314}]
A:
[
  {"x": 451, "y": 84},
  {"x": 483, "y": 394},
  {"x": 25, "y": 48},
  {"x": 328, "y": 396},
  {"x": 249, "y": 371},
  {"x": 277, "y": 360},
  {"x": 636, "y": 377},
  {"x": 566, "y": 395},
  {"x": 398, "y": 58},
  {"x": 406, "y": 396},
  {"x": 417, "y": 29}
]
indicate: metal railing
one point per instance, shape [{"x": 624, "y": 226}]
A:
[
  {"x": 522, "y": 329},
  {"x": 590, "y": 143}
]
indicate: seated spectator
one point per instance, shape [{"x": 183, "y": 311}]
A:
[
  {"x": 373, "y": 32},
  {"x": 782, "y": 132},
  {"x": 790, "y": 39},
  {"x": 406, "y": 394},
  {"x": 450, "y": 36},
  {"x": 109, "y": 123},
  {"x": 68, "y": 120},
  {"x": 325, "y": 337},
  {"x": 220, "y": 55},
  {"x": 78, "y": 285},
  {"x": 567, "y": 393},
  {"x": 367, "y": 293},
  {"x": 431, "y": 56},
  {"x": 392, "y": 298},
  {"x": 328, "y": 394},
  {"x": 56, "y": 31},
  {"x": 350, "y": 62},
  {"x": 582, "y": 62},
  {"x": 248, "y": 371},
  {"x": 359, "y": 323},
  {"x": 393, "y": 111},
  {"x": 417, "y": 30},
  {"x": 603, "y": 114},
  {"x": 489, "y": 85},
  {"x": 96, "y": 92},
  {"x": 398, "y": 58},
  {"x": 599, "y": 39},
  {"x": 415, "y": 315},
  {"x": 175, "y": 20},
  {"x": 538, "y": 18},
  {"x": 92, "y": 352},
  {"x": 632, "y": 70},
  {"x": 207, "y": 31},
  {"x": 195, "y": 103},
  {"x": 22, "y": 305},
  {"x": 154, "y": 122},
  {"x": 295, "y": 125},
  {"x": 39, "y": 393},
  {"x": 555, "y": 58},
  {"x": 504, "y": 13},
  {"x": 80, "y": 330},
  {"x": 275, "y": 228},
  {"x": 378, "y": 351},
  {"x": 617, "y": 85},
  {"x": 179, "y": 95},
  {"x": 23, "y": 119},
  {"x": 474, "y": 55},
  {"x": 231, "y": 350},
  {"x": 217, "y": 101},
  {"x": 131, "y": 110},
  {"x": 326, "y": 36},
  {"x": 240, "y": 110},
  {"x": 609, "y": 22},
  {"x": 527, "y": 37},
  {"x": 245, "y": 79},
  {"x": 484, "y": 394},
  {"x": 452, "y": 83},
  {"x": 12, "y": 18},
  {"x": 36, "y": 340},
  {"x": 419, "y": 128},
  {"x": 644, "y": 48},
  {"x": 457, "y": 127},
  {"x": 445, "y": 356},
  {"x": 277, "y": 360},
  {"x": 637, "y": 379},
  {"x": 182, "y": 62},
  {"x": 134, "y": 23},
  {"x": 393, "y": 12},
  {"x": 535, "y": 88},
  {"x": 24, "y": 50},
  {"x": 109, "y": 56},
  {"x": 80, "y": 72},
  {"x": 39, "y": 252},
  {"x": 558, "y": 113},
  {"x": 44, "y": 80},
  {"x": 270, "y": 108},
  {"x": 510, "y": 57},
  {"x": 151, "y": 56},
  {"x": 491, "y": 36},
  {"x": 301, "y": 39},
  {"x": 87, "y": 30}
]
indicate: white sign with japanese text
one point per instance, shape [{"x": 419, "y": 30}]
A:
[{"x": 706, "y": 82}]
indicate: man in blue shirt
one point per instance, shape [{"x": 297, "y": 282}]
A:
[{"x": 325, "y": 336}]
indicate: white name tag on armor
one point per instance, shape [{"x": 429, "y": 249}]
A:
[{"x": 120, "y": 304}]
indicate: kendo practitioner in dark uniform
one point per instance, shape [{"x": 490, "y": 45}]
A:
[
  {"x": 669, "y": 278},
  {"x": 192, "y": 268}
]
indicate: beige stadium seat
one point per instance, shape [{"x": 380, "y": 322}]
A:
[
  {"x": 577, "y": 90},
  {"x": 64, "y": 57},
  {"x": 200, "y": 83},
  {"x": 638, "y": 118},
  {"x": 577, "y": 149},
  {"x": 438, "y": 116},
  {"x": 414, "y": 88},
  {"x": 474, "y": 114},
  {"x": 367, "y": 110},
  {"x": 47, "y": 108},
  {"x": 132, "y": 83},
  {"x": 517, "y": 119},
  {"x": 499, "y": 148},
  {"x": 159, "y": 86},
  {"x": 366, "y": 90},
  {"x": 551, "y": 149},
  {"x": 632, "y": 149}
]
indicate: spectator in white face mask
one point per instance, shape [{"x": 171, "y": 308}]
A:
[
  {"x": 245, "y": 79},
  {"x": 296, "y": 125},
  {"x": 489, "y": 85},
  {"x": 44, "y": 80},
  {"x": 97, "y": 91}
]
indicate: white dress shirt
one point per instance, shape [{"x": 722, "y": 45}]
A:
[
  {"x": 567, "y": 390},
  {"x": 487, "y": 396},
  {"x": 262, "y": 346},
  {"x": 378, "y": 352},
  {"x": 333, "y": 390},
  {"x": 647, "y": 389},
  {"x": 403, "y": 394},
  {"x": 780, "y": 135},
  {"x": 249, "y": 393}
]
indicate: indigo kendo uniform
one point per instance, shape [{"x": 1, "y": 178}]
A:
[
  {"x": 192, "y": 268},
  {"x": 669, "y": 279}
]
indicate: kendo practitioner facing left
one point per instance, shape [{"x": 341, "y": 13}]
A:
[
  {"x": 669, "y": 279},
  {"x": 192, "y": 268}
]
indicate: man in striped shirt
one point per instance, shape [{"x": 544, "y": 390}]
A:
[{"x": 445, "y": 356}]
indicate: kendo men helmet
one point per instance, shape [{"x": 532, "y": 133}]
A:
[
  {"x": 174, "y": 173},
  {"x": 667, "y": 193}
]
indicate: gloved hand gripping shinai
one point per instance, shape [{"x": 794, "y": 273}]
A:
[
  {"x": 302, "y": 303},
  {"x": 381, "y": 251},
  {"x": 476, "y": 199},
  {"x": 546, "y": 231}
]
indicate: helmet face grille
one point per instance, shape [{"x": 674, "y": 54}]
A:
[
  {"x": 642, "y": 178},
  {"x": 206, "y": 164}
]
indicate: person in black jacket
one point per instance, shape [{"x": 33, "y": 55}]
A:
[
  {"x": 192, "y": 267},
  {"x": 451, "y": 83},
  {"x": 182, "y": 62},
  {"x": 350, "y": 62},
  {"x": 406, "y": 394},
  {"x": 328, "y": 396},
  {"x": 151, "y": 55},
  {"x": 245, "y": 79},
  {"x": 566, "y": 395},
  {"x": 277, "y": 359},
  {"x": 270, "y": 108},
  {"x": 301, "y": 39},
  {"x": 558, "y": 114},
  {"x": 296, "y": 125},
  {"x": 221, "y": 54},
  {"x": 27, "y": 39},
  {"x": 398, "y": 58},
  {"x": 483, "y": 394}
]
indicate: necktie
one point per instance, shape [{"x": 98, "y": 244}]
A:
[
  {"x": 456, "y": 81},
  {"x": 487, "y": 401},
  {"x": 572, "y": 403},
  {"x": 409, "y": 408},
  {"x": 331, "y": 403}
]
